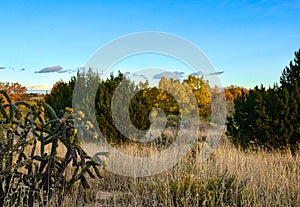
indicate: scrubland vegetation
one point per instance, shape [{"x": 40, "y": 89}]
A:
[{"x": 44, "y": 144}]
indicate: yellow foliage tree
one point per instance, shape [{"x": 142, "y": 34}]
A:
[
  {"x": 200, "y": 88},
  {"x": 184, "y": 97}
]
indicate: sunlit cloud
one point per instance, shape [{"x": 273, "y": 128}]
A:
[{"x": 38, "y": 87}]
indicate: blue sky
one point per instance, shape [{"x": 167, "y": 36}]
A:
[{"x": 251, "y": 41}]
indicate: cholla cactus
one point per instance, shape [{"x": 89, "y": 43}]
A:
[{"x": 24, "y": 160}]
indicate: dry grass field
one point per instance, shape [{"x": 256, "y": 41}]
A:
[{"x": 229, "y": 177}]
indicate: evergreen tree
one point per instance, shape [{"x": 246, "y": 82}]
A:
[
  {"x": 269, "y": 118},
  {"x": 291, "y": 74},
  {"x": 60, "y": 96},
  {"x": 290, "y": 80}
]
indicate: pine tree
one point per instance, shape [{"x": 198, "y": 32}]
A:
[
  {"x": 290, "y": 79},
  {"x": 291, "y": 75}
]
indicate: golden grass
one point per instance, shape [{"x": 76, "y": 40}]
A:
[
  {"x": 274, "y": 177},
  {"x": 270, "y": 179}
]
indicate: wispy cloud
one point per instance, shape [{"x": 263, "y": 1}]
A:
[
  {"x": 216, "y": 73},
  {"x": 62, "y": 71},
  {"x": 12, "y": 68},
  {"x": 72, "y": 70},
  {"x": 139, "y": 76},
  {"x": 197, "y": 73},
  {"x": 175, "y": 75},
  {"x": 68, "y": 71},
  {"x": 200, "y": 73},
  {"x": 50, "y": 69},
  {"x": 126, "y": 74}
]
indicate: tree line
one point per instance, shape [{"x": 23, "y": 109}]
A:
[
  {"x": 172, "y": 96},
  {"x": 259, "y": 117},
  {"x": 141, "y": 106},
  {"x": 269, "y": 117}
]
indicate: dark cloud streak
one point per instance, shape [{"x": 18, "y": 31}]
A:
[
  {"x": 216, "y": 73},
  {"x": 50, "y": 69}
]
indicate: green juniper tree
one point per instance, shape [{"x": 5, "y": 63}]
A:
[
  {"x": 290, "y": 80},
  {"x": 269, "y": 118},
  {"x": 60, "y": 96}
]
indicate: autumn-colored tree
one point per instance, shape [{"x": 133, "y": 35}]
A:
[
  {"x": 232, "y": 93},
  {"x": 168, "y": 91},
  {"x": 172, "y": 96},
  {"x": 16, "y": 91},
  {"x": 201, "y": 89}
]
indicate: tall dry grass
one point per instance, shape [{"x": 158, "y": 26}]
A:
[{"x": 229, "y": 177}]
